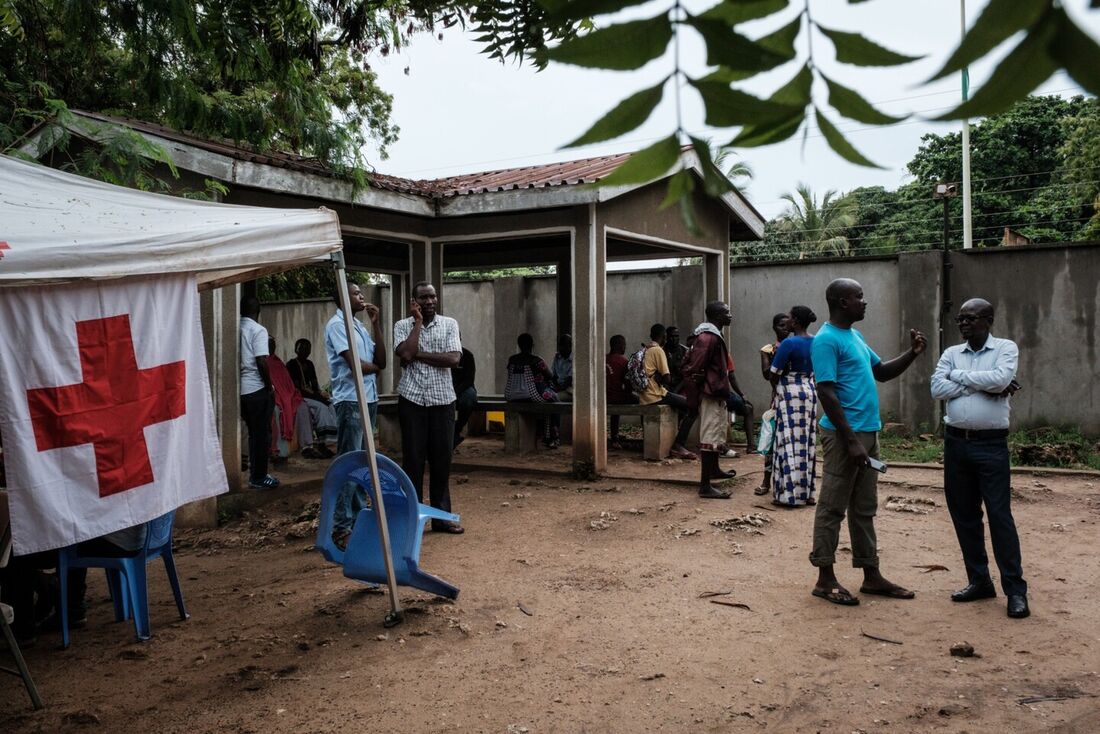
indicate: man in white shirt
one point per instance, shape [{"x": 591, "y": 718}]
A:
[
  {"x": 977, "y": 379},
  {"x": 429, "y": 347},
  {"x": 257, "y": 394}
]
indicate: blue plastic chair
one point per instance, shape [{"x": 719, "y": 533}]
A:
[
  {"x": 126, "y": 577},
  {"x": 405, "y": 518}
]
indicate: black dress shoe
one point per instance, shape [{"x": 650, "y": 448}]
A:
[
  {"x": 1017, "y": 606},
  {"x": 974, "y": 591}
]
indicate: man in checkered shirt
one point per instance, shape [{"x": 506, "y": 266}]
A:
[{"x": 428, "y": 346}]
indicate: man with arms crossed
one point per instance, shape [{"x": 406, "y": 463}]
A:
[
  {"x": 977, "y": 378},
  {"x": 846, "y": 370},
  {"x": 428, "y": 346}
]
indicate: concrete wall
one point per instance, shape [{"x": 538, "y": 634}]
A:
[
  {"x": 757, "y": 292},
  {"x": 1047, "y": 299}
]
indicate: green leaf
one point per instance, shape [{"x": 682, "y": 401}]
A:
[
  {"x": 733, "y": 12},
  {"x": 797, "y": 90},
  {"x": 1026, "y": 67},
  {"x": 627, "y": 115},
  {"x": 852, "y": 48},
  {"x": 1000, "y": 20},
  {"x": 852, "y": 105},
  {"x": 840, "y": 144},
  {"x": 726, "y": 47},
  {"x": 725, "y": 76},
  {"x": 646, "y": 165},
  {"x": 715, "y": 182},
  {"x": 1077, "y": 52},
  {"x": 782, "y": 40},
  {"x": 757, "y": 135},
  {"x": 727, "y": 107},
  {"x": 577, "y": 9},
  {"x": 681, "y": 184},
  {"x": 622, "y": 47}
]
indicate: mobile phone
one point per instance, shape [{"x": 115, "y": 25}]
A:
[{"x": 877, "y": 465}]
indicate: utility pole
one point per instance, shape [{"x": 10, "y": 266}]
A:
[{"x": 968, "y": 228}]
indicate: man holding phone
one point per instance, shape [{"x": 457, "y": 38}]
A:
[
  {"x": 846, "y": 370},
  {"x": 429, "y": 347},
  {"x": 977, "y": 379}
]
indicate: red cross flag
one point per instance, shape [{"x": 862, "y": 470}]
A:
[{"x": 105, "y": 408}]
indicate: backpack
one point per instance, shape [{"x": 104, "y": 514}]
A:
[{"x": 635, "y": 374}]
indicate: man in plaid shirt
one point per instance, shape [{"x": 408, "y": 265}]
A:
[{"x": 428, "y": 346}]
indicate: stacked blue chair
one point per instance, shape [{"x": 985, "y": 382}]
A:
[
  {"x": 126, "y": 577},
  {"x": 405, "y": 519}
]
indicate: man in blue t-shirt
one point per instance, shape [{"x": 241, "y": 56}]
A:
[
  {"x": 345, "y": 398},
  {"x": 846, "y": 370}
]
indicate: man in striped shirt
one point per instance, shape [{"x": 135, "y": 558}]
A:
[{"x": 429, "y": 347}]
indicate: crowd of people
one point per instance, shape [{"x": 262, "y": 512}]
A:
[{"x": 823, "y": 394}]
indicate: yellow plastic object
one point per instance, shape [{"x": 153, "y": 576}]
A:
[{"x": 495, "y": 418}]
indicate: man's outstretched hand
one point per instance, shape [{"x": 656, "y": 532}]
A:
[{"x": 918, "y": 342}]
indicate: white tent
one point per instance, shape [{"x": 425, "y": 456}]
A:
[
  {"x": 56, "y": 228},
  {"x": 59, "y": 227}
]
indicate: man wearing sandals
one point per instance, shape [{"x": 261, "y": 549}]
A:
[{"x": 846, "y": 370}]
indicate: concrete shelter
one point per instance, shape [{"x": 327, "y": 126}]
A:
[{"x": 418, "y": 229}]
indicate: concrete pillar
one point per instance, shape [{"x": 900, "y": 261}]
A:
[
  {"x": 399, "y": 308},
  {"x": 589, "y": 263},
  {"x": 565, "y": 297},
  {"x": 218, "y": 311},
  {"x": 426, "y": 263},
  {"x": 716, "y": 270}
]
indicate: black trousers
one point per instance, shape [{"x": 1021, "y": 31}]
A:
[
  {"x": 976, "y": 472},
  {"x": 427, "y": 436},
  {"x": 464, "y": 407},
  {"x": 256, "y": 410}
]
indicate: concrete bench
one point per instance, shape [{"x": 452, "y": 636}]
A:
[{"x": 521, "y": 434}]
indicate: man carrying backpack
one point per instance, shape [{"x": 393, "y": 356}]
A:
[{"x": 648, "y": 374}]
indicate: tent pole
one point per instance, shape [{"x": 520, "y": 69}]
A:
[{"x": 396, "y": 616}]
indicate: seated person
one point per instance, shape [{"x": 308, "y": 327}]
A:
[
  {"x": 530, "y": 381},
  {"x": 462, "y": 378},
  {"x": 618, "y": 391},
  {"x": 295, "y": 416},
  {"x": 656, "y": 392},
  {"x": 22, "y": 580},
  {"x": 304, "y": 376}
]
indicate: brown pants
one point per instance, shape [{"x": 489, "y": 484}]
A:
[{"x": 846, "y": 489}]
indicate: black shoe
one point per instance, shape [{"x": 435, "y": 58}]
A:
[
  {"x": 974, "y": 591},
  {"x": 708, "y": 492},
  {"x": 447, "y": 527},
  {"x": 1017, "y": 606},
  {"x": 721, "y": 475},
  {"x": 52, "y": 623}
]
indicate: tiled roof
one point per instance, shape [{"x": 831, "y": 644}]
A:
[{"x": 567, "y": 173}]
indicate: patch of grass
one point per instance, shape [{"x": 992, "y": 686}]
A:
[
  {"x": 922, "y": 449},
  {"x": 1065, "y": 447}
]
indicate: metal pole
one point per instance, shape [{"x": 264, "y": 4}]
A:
[
  {"x": 968, "y": 229},
  {"x": 396, "y": 616}
]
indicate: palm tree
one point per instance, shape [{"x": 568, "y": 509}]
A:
[
  {"x": 739, "y": 172},
  {"x": 818, "y": 228}
]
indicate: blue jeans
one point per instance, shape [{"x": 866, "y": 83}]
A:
[
  {"x": 976, "y": 471},
  {"x": 349, "y": 437}
]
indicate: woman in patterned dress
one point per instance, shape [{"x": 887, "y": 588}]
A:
[
  {"x": 794, "y": 473},
  {"x": 530, "y": 381},
  {"x": 767, "y": 354}
]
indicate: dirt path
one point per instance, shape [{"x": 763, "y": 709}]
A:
[{"x": 612, "y": 636}]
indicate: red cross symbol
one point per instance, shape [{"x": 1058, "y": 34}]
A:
[{"x": 112, "y": 407}]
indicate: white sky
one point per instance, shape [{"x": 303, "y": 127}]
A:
[{"x": 460, "y": 112}]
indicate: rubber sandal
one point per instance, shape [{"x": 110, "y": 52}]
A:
[
  {"x": 894, "y": 592},
  {"x": 837, "y": 595},
  {"x": 761, "y": 491}
]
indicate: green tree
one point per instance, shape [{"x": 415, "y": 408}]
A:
[
  {"x": 291, "y": 75},
  {"x": 817, "y": 227},
  {"x": 1080, "y": 164}
]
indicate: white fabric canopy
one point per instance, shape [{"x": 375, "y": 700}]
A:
[{"x": 60, "y": 227}]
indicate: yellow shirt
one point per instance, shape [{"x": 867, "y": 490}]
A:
[{"x": 655, "y": 363}]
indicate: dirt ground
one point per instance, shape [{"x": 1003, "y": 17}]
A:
[{"x": 606, "y": 606}]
